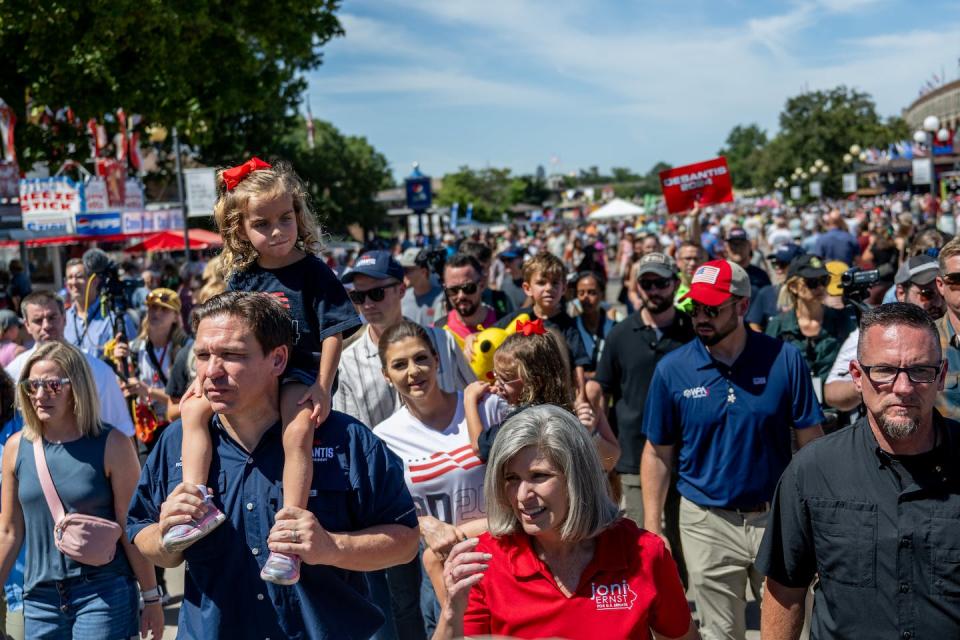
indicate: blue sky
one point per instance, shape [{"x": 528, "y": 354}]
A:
[{"x": 572, "y": 83}]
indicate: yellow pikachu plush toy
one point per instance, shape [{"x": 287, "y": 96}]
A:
[{"x": 486, "y": 344}]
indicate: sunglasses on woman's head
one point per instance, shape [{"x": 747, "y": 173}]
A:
[
  {"x": 468, "y": 289},
  {"x": 376, "y": 294},
  {"x": 162, "y": 298}
]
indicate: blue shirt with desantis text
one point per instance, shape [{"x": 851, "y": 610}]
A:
[
  {"x": 731, "y": 424},
  {"x": 357, "y": 483}
]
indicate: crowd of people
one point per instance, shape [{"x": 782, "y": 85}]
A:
[{"x": 340, "y": 449}]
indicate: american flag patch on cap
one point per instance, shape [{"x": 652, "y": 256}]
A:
[{"x": 707, "y": 274}]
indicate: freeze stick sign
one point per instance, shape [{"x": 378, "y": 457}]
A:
[{"x": 707, "y": 182}]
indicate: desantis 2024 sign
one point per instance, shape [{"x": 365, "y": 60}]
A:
[{"x": 705, "y": 182}]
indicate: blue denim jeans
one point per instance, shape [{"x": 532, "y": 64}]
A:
[{"x": 97, "y": 607}]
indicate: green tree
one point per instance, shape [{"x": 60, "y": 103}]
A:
[
  {"x": 343, "y": 174},
  {"x": 742, "y": 153},
  {"x": 491, "y": 190},
  {"x": 229, "y": 75},
  {"x": 651, "y": 181},
  {"x": 823, "y": 125}
]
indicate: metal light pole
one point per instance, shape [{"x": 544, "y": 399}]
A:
[
  {"x": 928, "y": 135},
  {"x": 180, "y": 194}
]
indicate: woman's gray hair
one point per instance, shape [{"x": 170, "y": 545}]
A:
[{"x": 560, "y": 438}]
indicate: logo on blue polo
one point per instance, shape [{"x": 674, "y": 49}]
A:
[
  {"x": 322, "y": 454},
  {"x": 696, "y": 392}
]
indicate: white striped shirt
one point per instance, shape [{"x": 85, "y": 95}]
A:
[{"x": 363, "y": 392}]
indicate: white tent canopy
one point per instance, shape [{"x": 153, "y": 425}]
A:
[{"x": 617, "y": 208}]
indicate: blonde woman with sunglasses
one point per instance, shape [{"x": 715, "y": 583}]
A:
[
  {"x": 817, "y": 330},
  {"x": 94, "y": 470}
]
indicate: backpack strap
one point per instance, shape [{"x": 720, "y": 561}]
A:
[{"x": 46, "y": 482}]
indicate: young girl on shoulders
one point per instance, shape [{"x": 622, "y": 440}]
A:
[{"x": 270, "y": 244}]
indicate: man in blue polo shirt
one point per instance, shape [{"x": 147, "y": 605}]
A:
[
  {"x": 360, "y": 516},
  {"x": 728, "y": 401}
]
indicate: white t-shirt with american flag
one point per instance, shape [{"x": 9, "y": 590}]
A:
[{"x": 443, "y": 474}]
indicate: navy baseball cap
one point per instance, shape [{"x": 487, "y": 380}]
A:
[
  {"x": 379, "y": 265},
  {"x": 785, "y": 253},
  {"x": 737, "y": 234},
  {"x": 511, "y": 253}
]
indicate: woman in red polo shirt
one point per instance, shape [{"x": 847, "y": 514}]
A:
[{"x": 559, "y": 560}]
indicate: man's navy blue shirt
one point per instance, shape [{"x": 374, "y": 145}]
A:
[
  {"x": 357, "y": 483},
  {"x": 731, "y": 424},
  {"x": 837, "y": 244}
]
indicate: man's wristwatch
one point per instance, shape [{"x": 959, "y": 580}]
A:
[{"x": 151, "y": 595}]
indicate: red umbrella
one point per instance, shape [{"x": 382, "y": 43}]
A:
[{"x": 173, "y": 241}]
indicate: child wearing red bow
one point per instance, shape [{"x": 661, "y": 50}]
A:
[
  {"x": 531, "y": 368},
  {"x": 270, "y": 244}
]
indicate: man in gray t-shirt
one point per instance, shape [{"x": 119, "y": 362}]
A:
[{"x": 423, "y": 289}]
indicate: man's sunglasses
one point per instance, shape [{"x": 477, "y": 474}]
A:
[
  {"x": 659, "y": 283},
  {"x": 711, "y": 312},
  {"x": 467, "y": 289},
  {"x": 816, "y": 283},
  {"x": 376, "y": 294},
  {"x": 951, "y": 278}
]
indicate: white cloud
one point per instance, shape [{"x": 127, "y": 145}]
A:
[
  {"x": 673, "y": 79},
  {"x": 847, "y": 6},
  {"x": 441, "y": 88}
]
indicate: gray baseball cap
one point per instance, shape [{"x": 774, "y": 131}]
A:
[
  {"x": 920, "y": 269},
  {"x": 658, "y": 263}
]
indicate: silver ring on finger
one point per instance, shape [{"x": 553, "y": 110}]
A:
[{"x": 295, "y": 536}]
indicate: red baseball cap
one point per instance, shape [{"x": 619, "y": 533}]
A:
[{"x": 715, "y": 281}]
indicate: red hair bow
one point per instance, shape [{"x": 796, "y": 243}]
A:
[
  {"x": 233, "y": 177},
  {"x": 532, "y": 328}
]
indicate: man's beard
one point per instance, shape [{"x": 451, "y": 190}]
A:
[
  {"x": 658, "y": 304},
  {"x": 719, "y": 333},
  {"x": 467, "y": 308},
  {"x": 897, "y": 429}
]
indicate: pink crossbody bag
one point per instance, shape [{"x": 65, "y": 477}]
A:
[{"x": 86, "y": 539}]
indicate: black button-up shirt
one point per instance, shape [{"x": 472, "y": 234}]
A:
[
  {"x": 882, "y": 532},
  {"x": 624, "y": 372}
]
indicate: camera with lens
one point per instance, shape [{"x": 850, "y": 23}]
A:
[
  {"x": 856, "y": 283},
  {"x": 118, "y": 291}
]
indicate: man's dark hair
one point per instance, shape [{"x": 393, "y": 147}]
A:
[
  {"x": 460, "y": 259},
  {"x": 270, "y": 322},
  {"x": 598, "y": 278},
  {"x": 896, "y": 313},
  {"x": 478, "y": 250}
]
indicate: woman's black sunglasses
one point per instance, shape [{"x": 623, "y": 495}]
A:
[
  {"x": 816, "y": 283},
  {"x": 376, "y": 294}
]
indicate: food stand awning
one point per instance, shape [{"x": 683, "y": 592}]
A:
[{"x": 173, "y": 241}]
